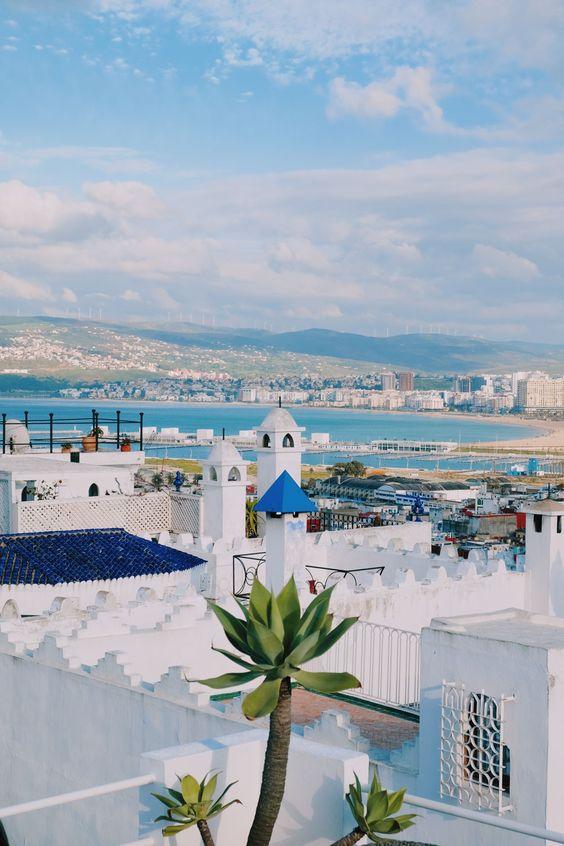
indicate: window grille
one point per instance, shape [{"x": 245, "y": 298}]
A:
[{"x": 475, "y": 760}]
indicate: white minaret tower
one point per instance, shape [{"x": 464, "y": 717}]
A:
[
  {"x": 544, "y": 562},
  {"x": 225, "y": 488},
  {"x": 279, "y": 448}
]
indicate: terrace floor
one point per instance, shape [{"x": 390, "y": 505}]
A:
[{"x": 383, "y": 729}]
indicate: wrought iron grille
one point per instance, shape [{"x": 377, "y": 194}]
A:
[
  {"x": 475, "y": 760},
  {"x": 318, "y": 582},
  {"x": 245, "y": 570}
]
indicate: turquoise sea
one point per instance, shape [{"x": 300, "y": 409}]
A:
[{"x": 342, "y": 425}]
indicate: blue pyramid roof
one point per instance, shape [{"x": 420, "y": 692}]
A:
[
  {"x": 83, "y": 554},
  {"x": 285, "y": 496}
]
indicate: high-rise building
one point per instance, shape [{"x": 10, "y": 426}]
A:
[
  {"x": 462, "y": 385},
  {"x": 540, "y": 393},
  {"x": 388, "y": 381},
  {"x": 405, "y": 381}
]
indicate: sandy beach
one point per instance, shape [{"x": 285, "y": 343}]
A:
[{"x": 550, "y": 436}]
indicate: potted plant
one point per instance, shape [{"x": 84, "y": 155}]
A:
[
  {"x": 66, "y": 446},
  {"x": 125, "y": 445},
  {"x": 89, "y": 440}
]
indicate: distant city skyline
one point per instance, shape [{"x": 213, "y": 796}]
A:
[{"x": 372, "y": 166}]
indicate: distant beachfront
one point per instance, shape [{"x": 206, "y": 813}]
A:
[{"x": 342, "y": 425}]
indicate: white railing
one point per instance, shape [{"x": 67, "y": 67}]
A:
[
  {"x": 485, "y": 819},
  {"x": 79, "y": 795},
  {"x": 478, "y": 817},
  {"x": 386, "y": 660}
]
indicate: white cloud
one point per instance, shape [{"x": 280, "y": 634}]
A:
[
  {"x": 505, "y": 264},
  {"x": 408, "y": 88},
  {"x": 130, "y": 296},
  {"x": 367, "y": 247},
  {"x": 31, "y": 212},
  {"x": 14, "y": 287},
  {"x": 133, "y": 199},
  {"x": 68, "y": 295}
]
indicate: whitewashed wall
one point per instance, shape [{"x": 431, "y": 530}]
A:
[{"x": 314, "y": 812}]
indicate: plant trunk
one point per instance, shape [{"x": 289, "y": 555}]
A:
[
  {"x": 350, "y": 839},
  {"x": 274, "y": 770},
  {"x": 205, "y": 832}
]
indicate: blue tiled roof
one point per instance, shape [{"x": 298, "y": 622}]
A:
[
  {"x": 285, "y": 496},
  {"x": 80, "y": 555}
]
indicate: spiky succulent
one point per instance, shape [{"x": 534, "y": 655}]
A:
[
  {"x": 192, "y": 804},
  {"x": 376, "y": 818},
  {"x": 278, "y": 639}
]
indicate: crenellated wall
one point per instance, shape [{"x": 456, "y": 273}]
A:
[{"x": 86, "y": 691}]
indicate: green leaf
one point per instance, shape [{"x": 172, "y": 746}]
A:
[
  {"x": 235, "y": 629},
  {"x": 259, "y": 601},
  {"x": 240, "y": 661},
  {"x": 171, "y": 830},
  {"x": 315, "y": 614},
  {"x": 223, "y": 792},
  {"x": 357, "y": 809},
  {"x": 275, "y": 621},
  {"x": 301, "y": 652},
  {"x": 176, "y": 794},
  {"x": 326, "y": 682},
  {"x": 263, "y": 700},
  {"x": 395, "y": 801},
  {"x": 170, "y": 803},
  {"x": 190, "y": 789},
  {"x": 208, "y": 789},
  {"x": 264, "y": 642},
  {"x": 230, "y": 679},
  {"x": 376, "y": 806},
  {"x": 215, "y": 811},
  {"x": 331, "y": 639},
  {"x": 289, "y": 606}
]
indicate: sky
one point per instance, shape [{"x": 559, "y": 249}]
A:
[{"x": 373, "y": 166}]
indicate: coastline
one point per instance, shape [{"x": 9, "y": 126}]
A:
[{"x": 545, "y": 434}]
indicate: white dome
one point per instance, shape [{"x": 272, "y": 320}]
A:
[
  {"x": 279, "y": 420},
  {"x": 223, "y": 452}
]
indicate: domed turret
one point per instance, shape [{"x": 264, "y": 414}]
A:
[
  {"x": 225, "y": 488},
  {"x": 279, "y": 448}
]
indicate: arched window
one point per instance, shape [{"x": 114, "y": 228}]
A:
[
  {"x": 288, "y": 441},
  {"x": 234, "y": 475},
  {"x": 213, "y": 474},
  {"x": 266, "y": 440},
  {"x": 93, "y": 490}
]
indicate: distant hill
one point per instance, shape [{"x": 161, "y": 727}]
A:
[
  {"x": 176, "y": 344},
  {"x": 430, "y": 353}
]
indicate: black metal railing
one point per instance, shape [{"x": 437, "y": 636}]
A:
[
  {"x": 46, "y": 435},
  {"x": 318, "y": 583},
  {"x": 245, "y": 570}
]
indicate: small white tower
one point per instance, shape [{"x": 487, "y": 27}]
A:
[
  {"x": 285, "y": 506},
  {"x": 224, "y": 485},
  {"x": 279, "y": 448},
  {"x": 544, "y": 561}
]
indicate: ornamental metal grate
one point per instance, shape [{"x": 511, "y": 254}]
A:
[
  {"x": 245, "y": 571},
  {"x": 475, "y": 760}
]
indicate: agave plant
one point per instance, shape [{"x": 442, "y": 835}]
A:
[
  {"x": 192, "y": 805},
  {"x": 278, "y": 640},
  {"x": 376, "y": 818}
]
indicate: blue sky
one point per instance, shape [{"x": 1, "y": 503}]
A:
[{"x": 369, "y": 165}]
